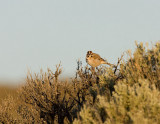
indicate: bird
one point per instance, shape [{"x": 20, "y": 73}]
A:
[{"x": 95, "y": 60}]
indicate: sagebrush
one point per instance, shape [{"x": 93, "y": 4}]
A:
[{"x": 126, "y": 93}]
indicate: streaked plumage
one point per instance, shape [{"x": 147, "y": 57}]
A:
[{"x": 94, "y": 59}]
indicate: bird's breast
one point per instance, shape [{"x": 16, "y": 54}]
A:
[{"x": 93, "y": 62}]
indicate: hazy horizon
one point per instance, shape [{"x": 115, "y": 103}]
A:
[{"x": 39, "y": 34}]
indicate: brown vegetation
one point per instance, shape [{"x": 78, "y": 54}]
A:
[{"x": 123, "y": 94}]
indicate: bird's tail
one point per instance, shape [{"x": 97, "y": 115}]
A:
[{"x": 104, "y": 62}]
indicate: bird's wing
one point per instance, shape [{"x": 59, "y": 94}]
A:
[{"x": 96, "y": 56}]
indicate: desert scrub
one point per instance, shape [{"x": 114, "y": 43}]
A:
[
  {"x": 57, "y": 101},
  {"x": 15, "y": 111},
  {"x": 125, "y": 93},
  {"x": 144, "y": 63},
  {"x": 49, "y": 96},
  {"x": 137, "y": 104},
  {"x": 133, "y": 91}
]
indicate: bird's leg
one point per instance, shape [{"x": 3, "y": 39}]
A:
[
  {"x": 95, "y": 75},
  {"x": 94, "y": 72}
]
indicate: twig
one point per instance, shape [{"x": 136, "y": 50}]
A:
[{"x": 119, "y": 60}]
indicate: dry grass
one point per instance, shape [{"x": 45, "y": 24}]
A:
[{"x": 7, "y": 90}]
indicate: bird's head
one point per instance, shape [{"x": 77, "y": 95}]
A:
[{"x": 89, "y": 52}]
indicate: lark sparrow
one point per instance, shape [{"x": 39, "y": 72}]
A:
[{"x": 94, "y": 59}]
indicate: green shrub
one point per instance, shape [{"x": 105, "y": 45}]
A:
[
  {"x": 143, "y": 64},
  {"x": 134, "y": 91},
  {"x": 138, "y": 104}
]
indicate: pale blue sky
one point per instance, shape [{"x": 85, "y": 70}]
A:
[{"x": 40, "y": 33}]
